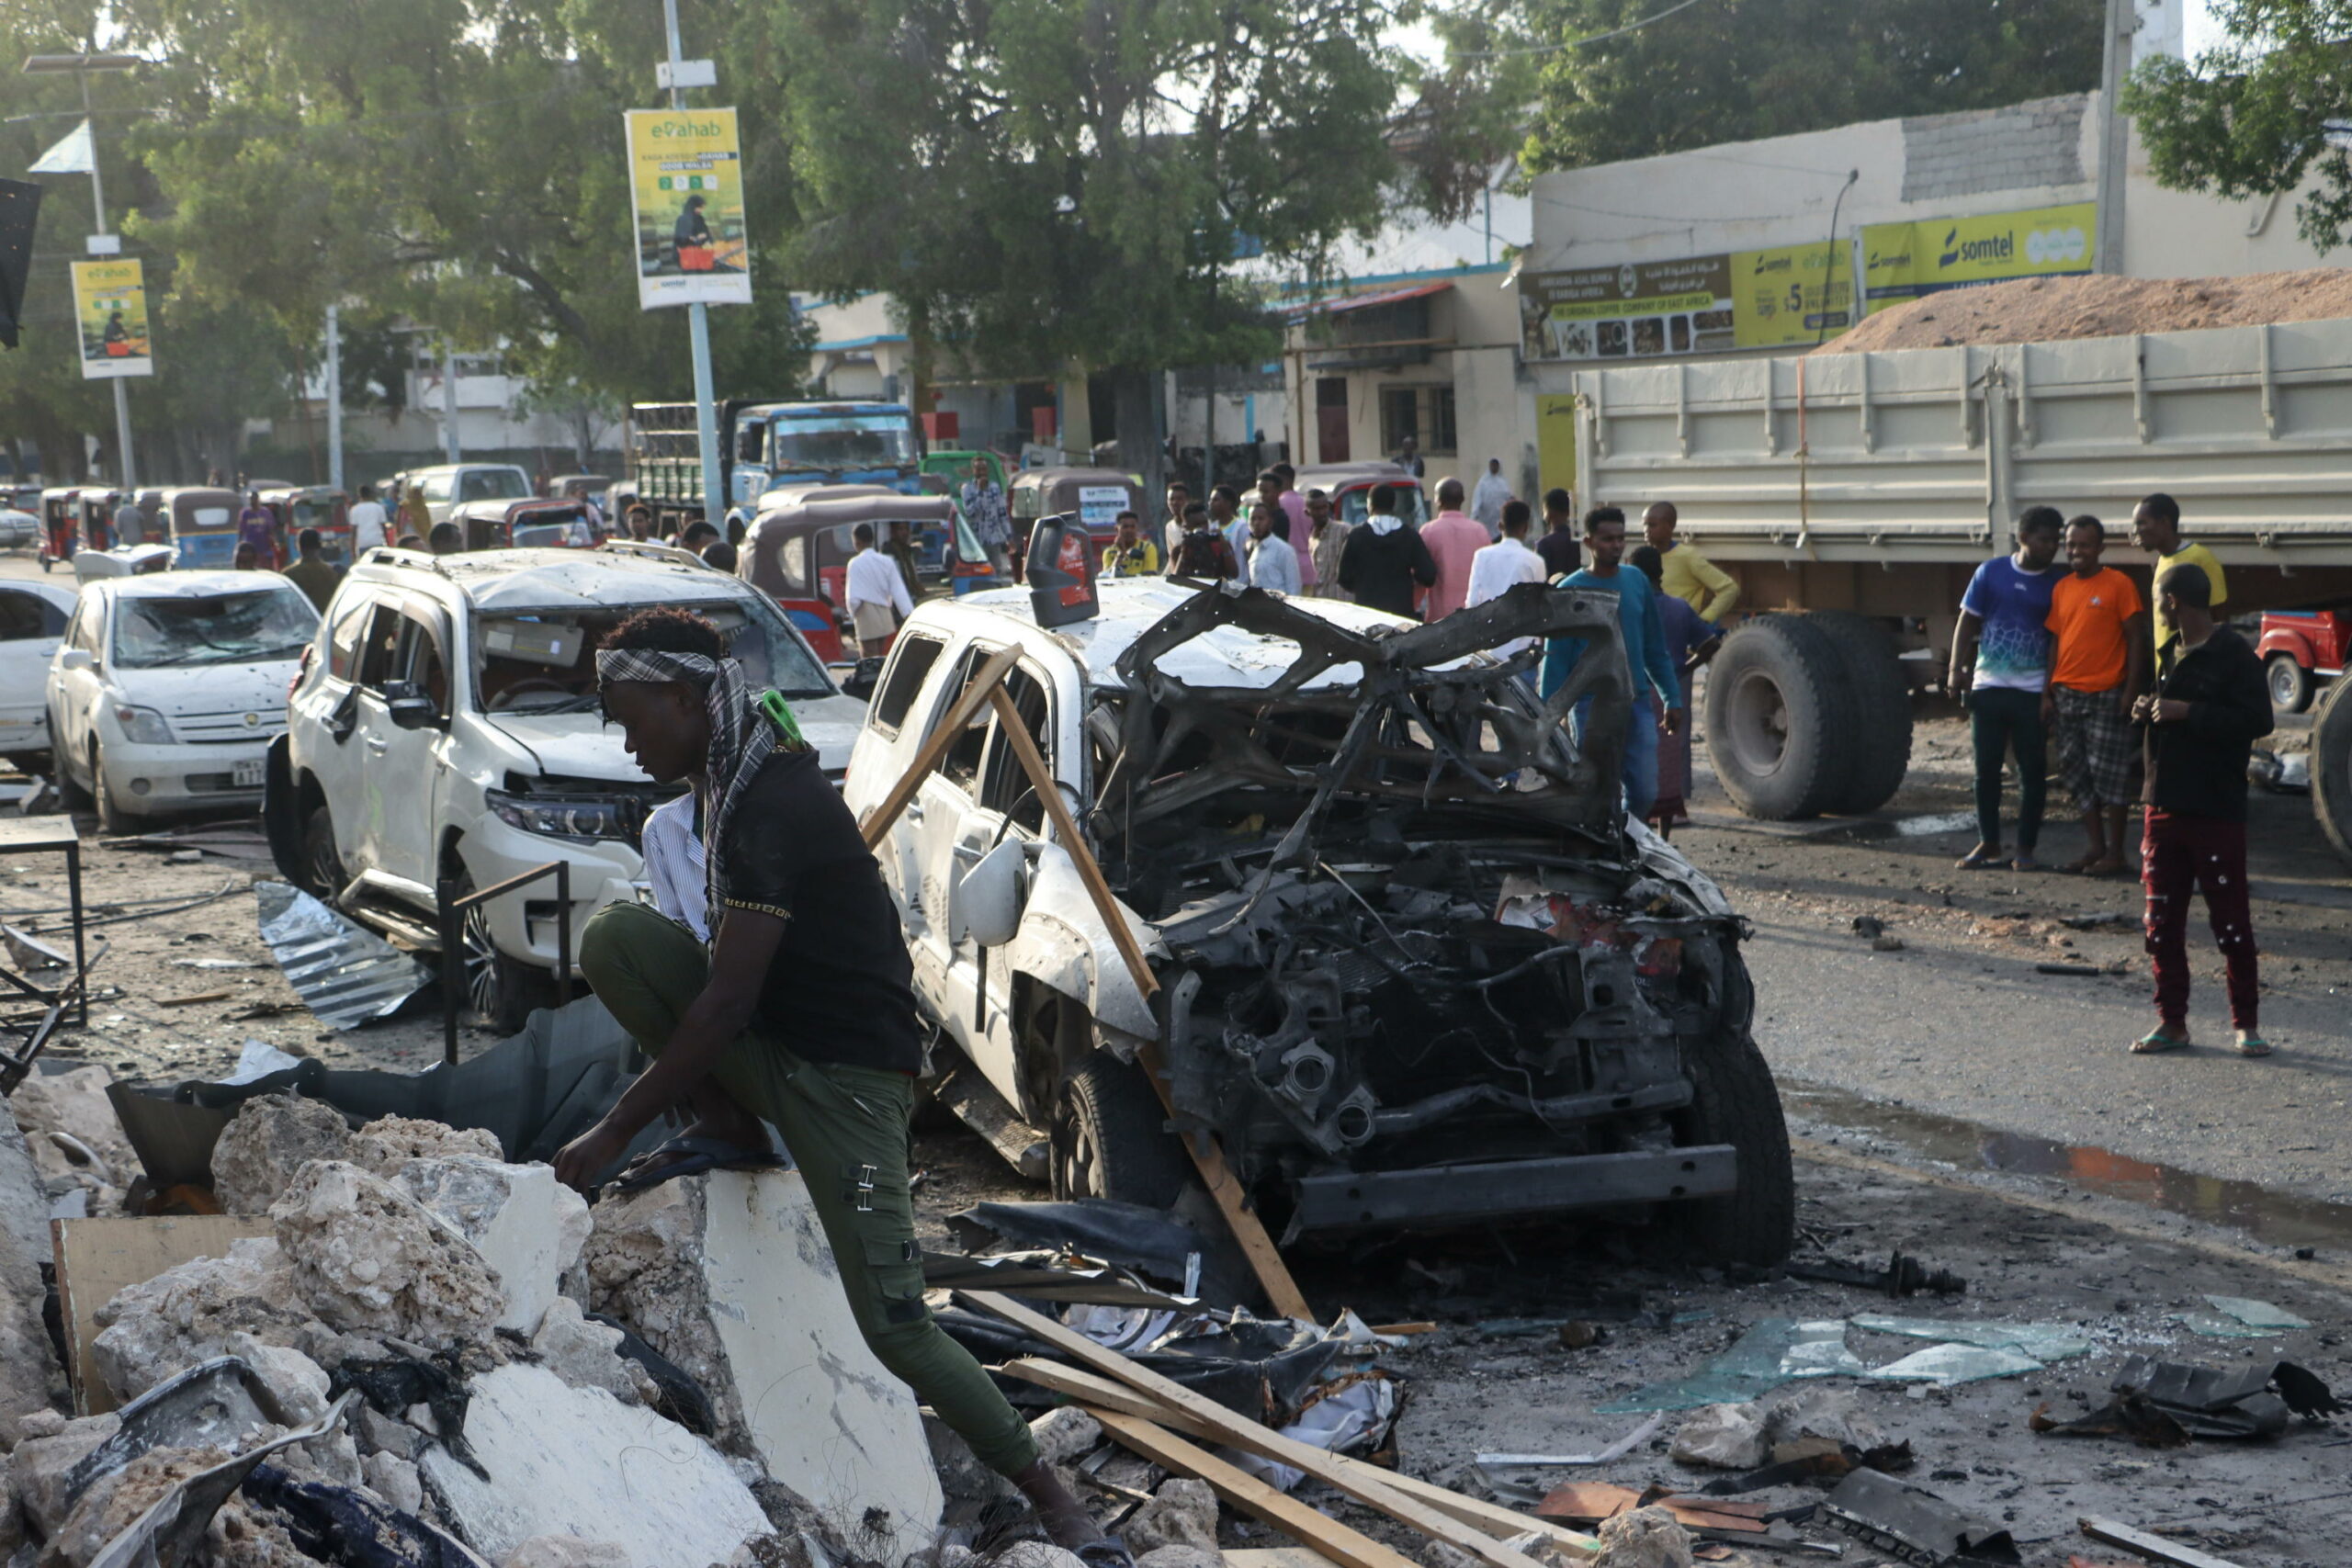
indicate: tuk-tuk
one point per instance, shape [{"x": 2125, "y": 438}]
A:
[
  {"x": 1097, "y": 495},
  {"x": 798, "y": 551},
  {"x": 202, "y": 523},
  {"x": 1349, "y": 487},
  {"x": 60, "y": 523},
  {"x": 314, "y": 506},
  {"x": 528, "y": 524}
]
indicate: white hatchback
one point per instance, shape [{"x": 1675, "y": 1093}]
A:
[
  {"x": 168, "y": 689},
  {"x": 32, "y": 620}
]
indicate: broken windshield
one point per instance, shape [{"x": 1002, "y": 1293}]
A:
[
  {"x": 272, "y": 622},
  {"x": 865, "y": 442},
  {"x": 545, "y": 662}
]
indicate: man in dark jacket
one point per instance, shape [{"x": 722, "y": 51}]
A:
[
  {"x": 1384, "y": 558},
  {"x": 2209, "y": 706}
]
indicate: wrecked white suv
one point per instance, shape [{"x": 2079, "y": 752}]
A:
[
  {"x": 1415, "y": 968},
  {"x": 445, "y": 728}
]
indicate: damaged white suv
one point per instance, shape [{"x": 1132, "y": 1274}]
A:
[
  {"x": 1416, "y": 967},
  {"x": 445, "y": 728}
]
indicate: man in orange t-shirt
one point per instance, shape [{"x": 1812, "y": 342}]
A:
[{"x": 2101, "y": 665}]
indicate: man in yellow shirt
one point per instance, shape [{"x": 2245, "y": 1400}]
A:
[
  {"x": 1689, "y": 576},
  {"x": 2156, "y": 528}
]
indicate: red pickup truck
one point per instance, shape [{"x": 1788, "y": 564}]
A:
[{"x": 2299, "y": 649}]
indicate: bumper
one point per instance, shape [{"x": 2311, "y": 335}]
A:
[
  {"x": 1464, "y": 1194},
  {"x": 523, "y": 924},
  {"x": 145, "y": 780}
]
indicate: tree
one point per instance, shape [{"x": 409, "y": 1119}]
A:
[
  {"x": 1044, "y": 185},
  {"x": 1719, "y": 71},
  {"x": 2259, "y": 114}
]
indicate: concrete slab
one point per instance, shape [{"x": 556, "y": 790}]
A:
[{"x": 566, "y": 1460}]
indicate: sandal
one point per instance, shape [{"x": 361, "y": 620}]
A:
[
  {"x": 2025, "y": 862},
  {"x": 688, "y": 1157},
  {"x": 2251, "y": 1044},
  {"x": 2159, "y": 1039},
  {"x": 1981, "y": 860}
]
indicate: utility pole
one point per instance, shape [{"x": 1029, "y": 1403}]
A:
[
  {"x": 2114, "y": 134},
  {"x": 448, "y": 402},
  {"x": 714, "y": 503},
  {"x": 334, "y": 399}
]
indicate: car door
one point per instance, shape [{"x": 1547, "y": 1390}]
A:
[
  {"x": 30, "y": 625},
  {"x": 324, "y": 716},
  {"x": 73, "y": 694},
  {"x": 408, "y": 648}
]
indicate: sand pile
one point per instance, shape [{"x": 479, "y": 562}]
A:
[{"x": 2044, "y": 310}]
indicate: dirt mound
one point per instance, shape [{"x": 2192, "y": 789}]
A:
[{"x": 2044, "y": 310}]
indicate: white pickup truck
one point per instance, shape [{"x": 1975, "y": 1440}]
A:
[{"x": 1864, "y": 488}]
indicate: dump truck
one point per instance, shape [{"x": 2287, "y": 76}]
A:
[
  {"x": 1852, "y": 494},
  {"x": 765, "y": 445}
]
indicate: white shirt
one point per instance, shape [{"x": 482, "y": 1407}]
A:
[
  {"x": 874, "y": 579},
  {"x": 367, "y": 527},
  {"x": 1497, "y": 568},
  {"x": 1273, "y": 565},
  {"x": 1237, "y": 533},
  {"x": 1487, "y": 502},
  {"x": 675, "y": 864}
]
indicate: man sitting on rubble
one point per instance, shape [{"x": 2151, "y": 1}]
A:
[{"x": 799, "y": 1011}]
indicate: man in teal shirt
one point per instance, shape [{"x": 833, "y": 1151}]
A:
[{"x": 1644, "y": 635}]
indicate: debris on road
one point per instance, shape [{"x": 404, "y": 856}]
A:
[
  {"x": 2240, "y": 1317},
  {"x": 347, "y": 974},
  {"x": 1913, "y": 1523},
  {"x": 2161, "y": 1403},
  {"x": 2154, "y": 1548},
  {"x": 1617, "y": 1449},
  {"x": 1903, "y": 1276}
]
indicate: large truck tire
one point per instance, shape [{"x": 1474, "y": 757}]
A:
[
  {"x": 1881, "y": 746},
  {"x": 2331, "y": 766},
  {"x": 1780, "y": 719}
]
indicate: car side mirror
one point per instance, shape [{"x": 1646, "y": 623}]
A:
[
  {"x": 864, "y": 679},
  {"x": 410, "y": 709},
  {"x": 989, "y": 899},
  {"x": 75, "y": 658}
]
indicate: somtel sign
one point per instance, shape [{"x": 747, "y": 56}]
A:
[{"x": 1904, "y": 261}]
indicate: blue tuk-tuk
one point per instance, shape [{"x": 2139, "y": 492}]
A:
[{"x": 201, "y": 522}]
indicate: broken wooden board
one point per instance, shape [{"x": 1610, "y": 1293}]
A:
[
  {"x": 1325, "y": 1536},
  {"x": 97, "y": 1258},
  {"x": 950, "y": 729},
  {"x": 1099, "y": 1394},
  {"x": 1598, "y": 1500},
  {"x": 2154, "y": 1548},
  {"x": 1208, "y": 1158},
  {"x": 1356, "y": 1481}
]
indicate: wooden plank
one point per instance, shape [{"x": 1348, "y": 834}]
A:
[
  {"x": 2154, "y": 1548},
  {"x": 190, "y": 1001},
  {"x": 1089, "y": 870},
  {"x": 1251, "y": 1437},
  {"x": 1101, "y": 1392},
  {"x": 1208, "y": 1158},
  {"x": 1328, "y": 1537},
  {"x": 1274, "y": 1557},
  {"x": 97, "y": 1258},
  {"x": 959, "y": 717}
]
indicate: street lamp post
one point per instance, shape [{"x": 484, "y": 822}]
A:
[
  {"x": 82, "y": 65},
  {"x": 714, "y": 504}
]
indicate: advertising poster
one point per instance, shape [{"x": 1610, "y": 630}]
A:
[
  {"x": 110, "y": 307},
  {"x": 1792, "y": 296},
  {"x": 1099, "y": 507},
  {"x": 1905, "y": 261},
  {"x": 686, "y": 207},
  {"x": 1640, "y": 310}
]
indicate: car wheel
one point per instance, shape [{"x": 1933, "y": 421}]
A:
[
  {"x": 323, "y": 871},
  {"x": 1111, "y": 1138},
  {"x": 2290, "y": 683},
  {"x": 1735, "y": 1102},
  {"x": 500, "y": 991},
  {"x": 1881, "y": 741},
  {"x": 1779, "y": 712},
  {"x": 112, "y": 817}
]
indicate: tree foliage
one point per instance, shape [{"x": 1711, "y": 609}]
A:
[
  {"x": 1739, "y": 70},
  {"x": 2259, "y": 114}
]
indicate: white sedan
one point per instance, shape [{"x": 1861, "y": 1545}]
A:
[
  {"x": 33, "y": 618},
  {"x": 169, "y": 688}
]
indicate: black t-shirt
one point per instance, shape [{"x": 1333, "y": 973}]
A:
[
  {"x": 840, "y": 988},
  {"x": 1560, "y": 551}
]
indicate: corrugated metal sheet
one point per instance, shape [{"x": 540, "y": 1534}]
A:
[{"x": 347, "y": 974}]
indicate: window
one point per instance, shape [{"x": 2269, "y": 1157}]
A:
[
  {"x": 1424, "y": 412},
  {"x": 342, "y": 643},
  {"x": 1008, "y": 787},
  {"x": 435, "y": 487},
  {"x": 492, "y": 484},
  {"x": 960, "y": 765},
  {"x": 226, "y": 628},
  {"x": 910, "y": 663},
  {"x": 21, "y": 617},
  {"x": 752, "y": 443}
]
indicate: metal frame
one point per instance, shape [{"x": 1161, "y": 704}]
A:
[
  {"x": 450, "y": 919},
  {"x": 56, "y": 835}
]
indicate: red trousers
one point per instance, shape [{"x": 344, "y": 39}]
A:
[{"x": 2180, "y": 855}]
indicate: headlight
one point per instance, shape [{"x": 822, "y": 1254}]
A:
[
  {"x": 143, "y": 727},
  {"x": 581, "y": 817}
]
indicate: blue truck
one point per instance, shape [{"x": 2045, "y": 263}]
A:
[{"x": 766, "y": 446}]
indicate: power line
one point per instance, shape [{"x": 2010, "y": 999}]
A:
[{"x": 1580, "y": 42}]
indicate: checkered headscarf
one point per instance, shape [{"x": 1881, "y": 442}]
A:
[{"x": 741, "y": 736}]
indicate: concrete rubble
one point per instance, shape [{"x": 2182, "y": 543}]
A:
[
  {"x": 272, "y": 1137},
  {"x": 1646, "y": 1537},
  {"x": 31, "y": 1378},
  {"x": 367, "y": 1255},
  {"x": 1181, "y": 1513},
  {"x": 76, "y": 1140}
]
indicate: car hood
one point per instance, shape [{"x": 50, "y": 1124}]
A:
[
  {"x": 211, "y": 688},
  {"x": 581, "y": 746}
]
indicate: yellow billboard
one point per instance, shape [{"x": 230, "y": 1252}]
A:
[
  {"x": 1790, "y": 295},
  {"x": 1904, "y": 261},
  {"x": 687, "y": 207},
  {"x": 110, "y": 309}
]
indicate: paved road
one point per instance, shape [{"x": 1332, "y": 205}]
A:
[{"x": 1960, "y": 1022}]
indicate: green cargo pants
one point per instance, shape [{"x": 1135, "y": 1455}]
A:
[{"x": 848, "y": 1130}]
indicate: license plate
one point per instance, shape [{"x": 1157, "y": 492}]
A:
[{"x": 247, "y": 775}]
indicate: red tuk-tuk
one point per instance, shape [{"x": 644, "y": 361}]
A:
[
  {"x": 60, "y": 523},
  {"x": 529, "y": 524},
  {"x": 1349, "y": 486},
  {"x": 201, "y": 522},
  {"x": 1097, "y": 495},
  {"x": 314, "y": 506},
  {"x": 798, "y": 550}
]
